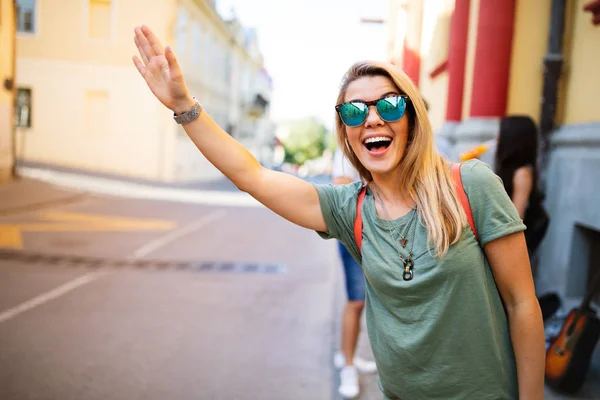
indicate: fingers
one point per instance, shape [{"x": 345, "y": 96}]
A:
[
  {"x": 140, "y": 67},
  {"x": 145, "y": 58},
  {"x": 174, "y": 69},
  {"x": 152, "y": 40},
  {"x": 146, "y": 51}
]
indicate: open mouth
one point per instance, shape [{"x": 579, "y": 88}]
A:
[{"x": 377, "y": 143}]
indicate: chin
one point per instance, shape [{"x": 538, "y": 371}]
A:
[{"x": 379, "y": 168}]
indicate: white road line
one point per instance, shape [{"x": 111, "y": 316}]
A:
[
  {"x": 176, "y": 234},
  {"x": 48, "y": 296},
  {"x": 89, "y": 277}
]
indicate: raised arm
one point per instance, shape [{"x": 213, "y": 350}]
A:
[{"x": 293, "y": 198}]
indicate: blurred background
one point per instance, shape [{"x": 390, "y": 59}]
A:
[{"x": 131, "y": 268}]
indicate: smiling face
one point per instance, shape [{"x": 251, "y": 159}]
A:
[{"x": 379, "y": 145}]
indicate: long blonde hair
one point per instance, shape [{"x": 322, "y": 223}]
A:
[{"x": 424, "y": 173}]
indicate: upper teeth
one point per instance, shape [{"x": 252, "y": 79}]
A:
[{"x": 378, "y": 139}]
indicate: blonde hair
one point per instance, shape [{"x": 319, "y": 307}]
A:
[{"x": 425, "y": 174}]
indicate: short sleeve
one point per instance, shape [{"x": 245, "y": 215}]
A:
[
  {"x": 338, "y": 205},
  {"x": 494, "y": 213}
]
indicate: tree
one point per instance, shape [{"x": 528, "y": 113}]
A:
[{"x": 308, "y": 138}]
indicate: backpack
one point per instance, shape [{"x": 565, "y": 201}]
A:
[{"x": 460, "y": 191}]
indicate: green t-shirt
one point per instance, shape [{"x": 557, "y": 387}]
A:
[{"x": 444, "y": 334}]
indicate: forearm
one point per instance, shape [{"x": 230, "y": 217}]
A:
[
  {"x": 223, "y": 151},
  {"x": 527, "y": 335}
]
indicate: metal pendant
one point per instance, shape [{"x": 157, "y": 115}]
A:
[
  {"x": 408, "y": 269},
  {"x": 403, "y": 242}
]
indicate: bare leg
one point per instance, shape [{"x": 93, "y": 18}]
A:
[{"x": 351, "y": 328}]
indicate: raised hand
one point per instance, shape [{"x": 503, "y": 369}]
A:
[{"x": 160, "y": 70}]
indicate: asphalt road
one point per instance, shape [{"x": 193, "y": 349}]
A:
[{"x": 166, "y": 301}]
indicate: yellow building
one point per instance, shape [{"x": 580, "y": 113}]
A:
[
  {"x": 476, "y": 61},
  {"x": 85, "y": 107},
  {"x": 7, "y": 79}
]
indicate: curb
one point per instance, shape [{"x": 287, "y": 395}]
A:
[{"x": 124, "y": 189}]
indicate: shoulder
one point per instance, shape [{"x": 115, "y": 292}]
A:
[
  {"x": 338, "y": 205},
  {"x": 523, "y": 175},
  {"x": 477, "y": 174},
  {"x": 481, "y": 183},
  {"x": 340, "y": 195},
  {"x": 494, "y": 213}
]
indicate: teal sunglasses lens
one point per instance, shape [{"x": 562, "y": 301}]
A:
[
  {"x": 391, "y": 108},
  {"x": 353, "y": 114}
]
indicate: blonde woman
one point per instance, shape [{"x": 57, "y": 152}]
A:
[{"x": 449, "y": 316}]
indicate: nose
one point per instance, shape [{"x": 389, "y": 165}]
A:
[{"x": 373, "y": 118}]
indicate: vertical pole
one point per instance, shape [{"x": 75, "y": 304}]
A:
[{"x": 553, "y": 62}]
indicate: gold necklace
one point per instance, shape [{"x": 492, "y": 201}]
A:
[{"x": 408, "y": 262}]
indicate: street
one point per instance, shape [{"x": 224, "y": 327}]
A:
[{"x": 200, "y": 302}]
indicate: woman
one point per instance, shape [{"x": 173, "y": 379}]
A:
[
  {"x": 464, "y": 323},
  {"x": 516, "y": 164}
]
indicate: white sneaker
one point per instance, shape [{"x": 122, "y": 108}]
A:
[
  {"x": 349, "y": 382},
  {"x": 339, "y": 360},
  {"x": 363, "y": 366}
]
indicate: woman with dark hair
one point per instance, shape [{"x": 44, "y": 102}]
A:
[{"x": 516, "y": 164}]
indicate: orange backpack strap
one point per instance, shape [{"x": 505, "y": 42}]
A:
[
  {"x": 358, "y": 220},
  {"x": 462, "y": 196}
]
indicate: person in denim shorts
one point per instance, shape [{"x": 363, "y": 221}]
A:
[{"x": 344, "y": 173}]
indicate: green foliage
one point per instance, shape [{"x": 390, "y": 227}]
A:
[{"x": 308, "y": 138}]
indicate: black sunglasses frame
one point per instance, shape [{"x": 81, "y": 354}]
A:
[{"x": 371, "y": 103}]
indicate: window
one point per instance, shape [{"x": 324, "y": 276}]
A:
[
  {"x": 23, "y": 108},
  {"x": 99, "y": 19},
  {"x": 26, "y": 16}
]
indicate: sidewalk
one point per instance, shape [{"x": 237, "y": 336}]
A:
[{"x": 72, "y": 181}]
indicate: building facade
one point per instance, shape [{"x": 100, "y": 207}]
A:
[
  {"x": 7, "y": 82},
  {"x": 478, "y": 60},
  {"x": 87, "y": 107}
]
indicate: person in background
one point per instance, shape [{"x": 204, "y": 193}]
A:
[
  {"x": 345, "y": 359},
  {"x": 516, "y": 163}
]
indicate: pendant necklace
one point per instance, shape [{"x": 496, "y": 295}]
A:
[{"x": 407, "y": 262}]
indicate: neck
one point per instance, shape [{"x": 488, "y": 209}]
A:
[{"x": 397, "y": 201}]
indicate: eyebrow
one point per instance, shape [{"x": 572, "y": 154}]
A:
[{"x": 382, "y": 96}]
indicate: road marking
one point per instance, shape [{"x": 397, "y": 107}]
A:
[
  {"x": 10, "y": 234},
  {"x": 48, "y": 296},
  {"x": 171, "y": 236},
  {"x": 120, "y": 223}
]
